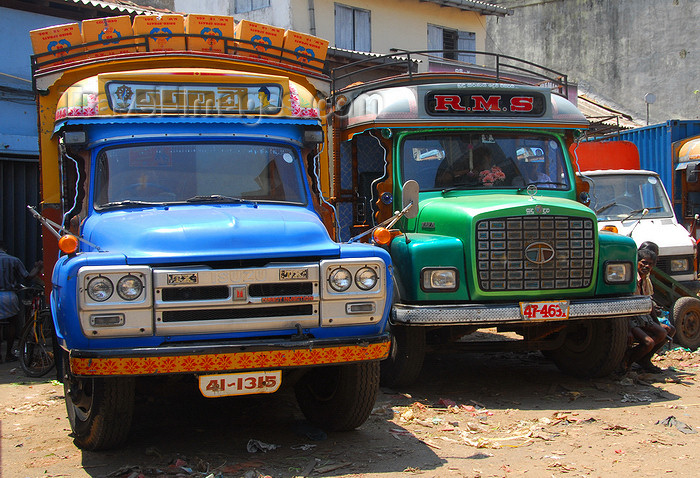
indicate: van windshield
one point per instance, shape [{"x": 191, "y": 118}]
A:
[
  {"x": 468, "y": 160},
  {"x": 180, "y": 173},
  {"x": 620, "y": 196}
]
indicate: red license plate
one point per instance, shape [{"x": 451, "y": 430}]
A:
[{"x": 545, "y": 310}]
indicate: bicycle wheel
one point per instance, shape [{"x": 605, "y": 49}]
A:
[{"x": 36, "y": 345}]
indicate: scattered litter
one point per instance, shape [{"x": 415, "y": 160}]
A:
[
  {"x": 305, "y": 429},
  {"x": 327, "y": 468},
  {"x": 446, "y": 403},
  {"x": 629, "y": 398},
  {"x": 480, "y": 456},
  {"x": 672, "y": 421},
  {"x": 303, "y": 447},
  {"x": 255, "y": 446}
]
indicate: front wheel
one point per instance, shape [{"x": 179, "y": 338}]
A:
[
  {"x": 99, "y": 410},
  {"x": 686, "y": 320},
  {"x": 339, "y": 397},
  {"x": 406, "y": 356},
  {"x": 592, "y": 348}
]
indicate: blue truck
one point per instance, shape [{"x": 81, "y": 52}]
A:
[{"x": 191, "y": 241}]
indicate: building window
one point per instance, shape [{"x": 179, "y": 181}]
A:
[
  {"x": 352, "y": 28},
  {"x": 243, "y": 6},
  {"x": 451, "y": 41}
]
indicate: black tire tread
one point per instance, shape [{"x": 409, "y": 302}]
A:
[
  {"x": 109, "y": 424},
  {"x": 605, "y": 354},
  {"x": 406, "y": 357},
  {"x": 681, "y": 308},
  {"x": 352, "y": 402}
]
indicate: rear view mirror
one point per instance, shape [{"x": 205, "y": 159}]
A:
[{"x": 410, "y": 196}]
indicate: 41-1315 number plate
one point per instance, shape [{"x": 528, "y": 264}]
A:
[
  {"x": 545, "y": 310},
  {"x": 246, "y": 383}
]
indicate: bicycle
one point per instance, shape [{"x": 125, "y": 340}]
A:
[{"x": 36, "y": 352}]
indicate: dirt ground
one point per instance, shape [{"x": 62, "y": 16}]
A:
[{"x": 471, "y": 415}]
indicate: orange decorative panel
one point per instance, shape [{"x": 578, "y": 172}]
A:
[{"x": 228, "y": 361}]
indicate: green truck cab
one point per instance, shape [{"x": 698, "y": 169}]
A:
[{"x": 502, "y": 241}]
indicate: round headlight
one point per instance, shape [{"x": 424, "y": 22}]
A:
[
  {"x": 366, "y": 278},
  {"x": 100, "y": 289},
  {"x": 340, "y": 279},
  {"x": 129, "y": 287}
]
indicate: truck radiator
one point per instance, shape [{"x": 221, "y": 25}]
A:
[{"x": 535, "y": 253}]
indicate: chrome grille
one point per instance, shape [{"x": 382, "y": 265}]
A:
[{"x": 535, "y": 253}]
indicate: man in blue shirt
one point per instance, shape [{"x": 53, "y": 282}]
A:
[{"x": 12, "y": 275}]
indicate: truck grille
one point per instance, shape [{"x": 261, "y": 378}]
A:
[
  {"x": 276, "y": 296},
  {"x": 535, "y": 253}
]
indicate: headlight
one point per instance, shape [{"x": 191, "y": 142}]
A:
[
  {"x": 679, "y": 265},
  {"x": 340, "y": 279},
  {"x": 442, "y": 280},
  {"x": 618, "y": 272},
  {"x": 366, "y": 278},
  {"x": 129, "y": 287},
  {"x": 100, "y": 289}
]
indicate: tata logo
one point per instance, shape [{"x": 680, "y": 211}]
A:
[
  {"x": 530, "y": 211},
  {"x": 539, "y": 253}
]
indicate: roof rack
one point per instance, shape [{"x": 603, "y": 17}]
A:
[
  {"x": 499, "y": 68},
  {"x": 233, "y": 48}
]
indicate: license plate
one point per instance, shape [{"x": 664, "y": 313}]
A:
[
  {"x": 545, "y": 310},
  {"x": 246, "y": 383}
]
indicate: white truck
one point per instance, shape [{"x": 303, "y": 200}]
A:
[{"x": 634, "y": 202}]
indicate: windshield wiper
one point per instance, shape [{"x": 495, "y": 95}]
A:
[
  {"x": 607, "y": 206},
  {"x": 221, "y": 198},
  {"x": 131, "y": 202},
  {"x": 637, "y": 211},
  {"x": 535, "y": 183}
]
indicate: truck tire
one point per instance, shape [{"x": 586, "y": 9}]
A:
[
  {"x": 592, "y": 348},
  {"x": 406, "y": 356},
  {"x": 339, "y": 397},
  {"x": 99, "y": 410},
  {"x": 685, "y": 317}
]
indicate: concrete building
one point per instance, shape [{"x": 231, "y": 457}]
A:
[{"x": 619, "y": 51}]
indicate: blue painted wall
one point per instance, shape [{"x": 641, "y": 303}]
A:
[{"x": 18, "y": 129}]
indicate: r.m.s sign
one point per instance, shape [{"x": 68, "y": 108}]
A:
[{"x": 471, "y": 103}]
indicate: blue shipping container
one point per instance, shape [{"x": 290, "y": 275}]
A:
[{"x": 655, "y": 145}]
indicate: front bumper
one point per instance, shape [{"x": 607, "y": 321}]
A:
[
  {"x": 495, "y": 314},
  {"x": 221, "y": 357}
]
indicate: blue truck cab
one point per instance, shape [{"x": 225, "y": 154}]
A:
[{"x": 201, "y": 248}]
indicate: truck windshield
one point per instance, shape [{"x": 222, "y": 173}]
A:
[
  {"x": 468, "y": 160},
  {"x": 621, "y": 196},
  {"x": 179, "y": 173}
]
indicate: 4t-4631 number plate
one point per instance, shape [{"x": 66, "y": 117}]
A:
[
  {"x": 246, "y": 383},
  {"x": 545, "y": 310}
]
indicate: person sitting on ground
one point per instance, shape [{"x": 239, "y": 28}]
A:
[
  {"x": 12, "y": 275},
  {"x": 645, "y": 330},
  {"x": 670, "y": 329}
]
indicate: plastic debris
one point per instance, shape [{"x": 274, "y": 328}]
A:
[
  {"x": 672, "y": 421},
  {"x": 255, "y": 446}
]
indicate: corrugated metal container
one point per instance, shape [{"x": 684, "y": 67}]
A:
[
  {"x": 655, "y": 145},
  {"x": 19, "y": 186}
]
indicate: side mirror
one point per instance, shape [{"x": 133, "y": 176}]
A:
[{"x": 410, "y": 196}]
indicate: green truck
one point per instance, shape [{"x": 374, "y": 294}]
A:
[{"x": 503, "y": 242}]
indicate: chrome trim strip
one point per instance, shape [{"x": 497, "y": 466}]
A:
[{"x": 510, "y": 313}]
